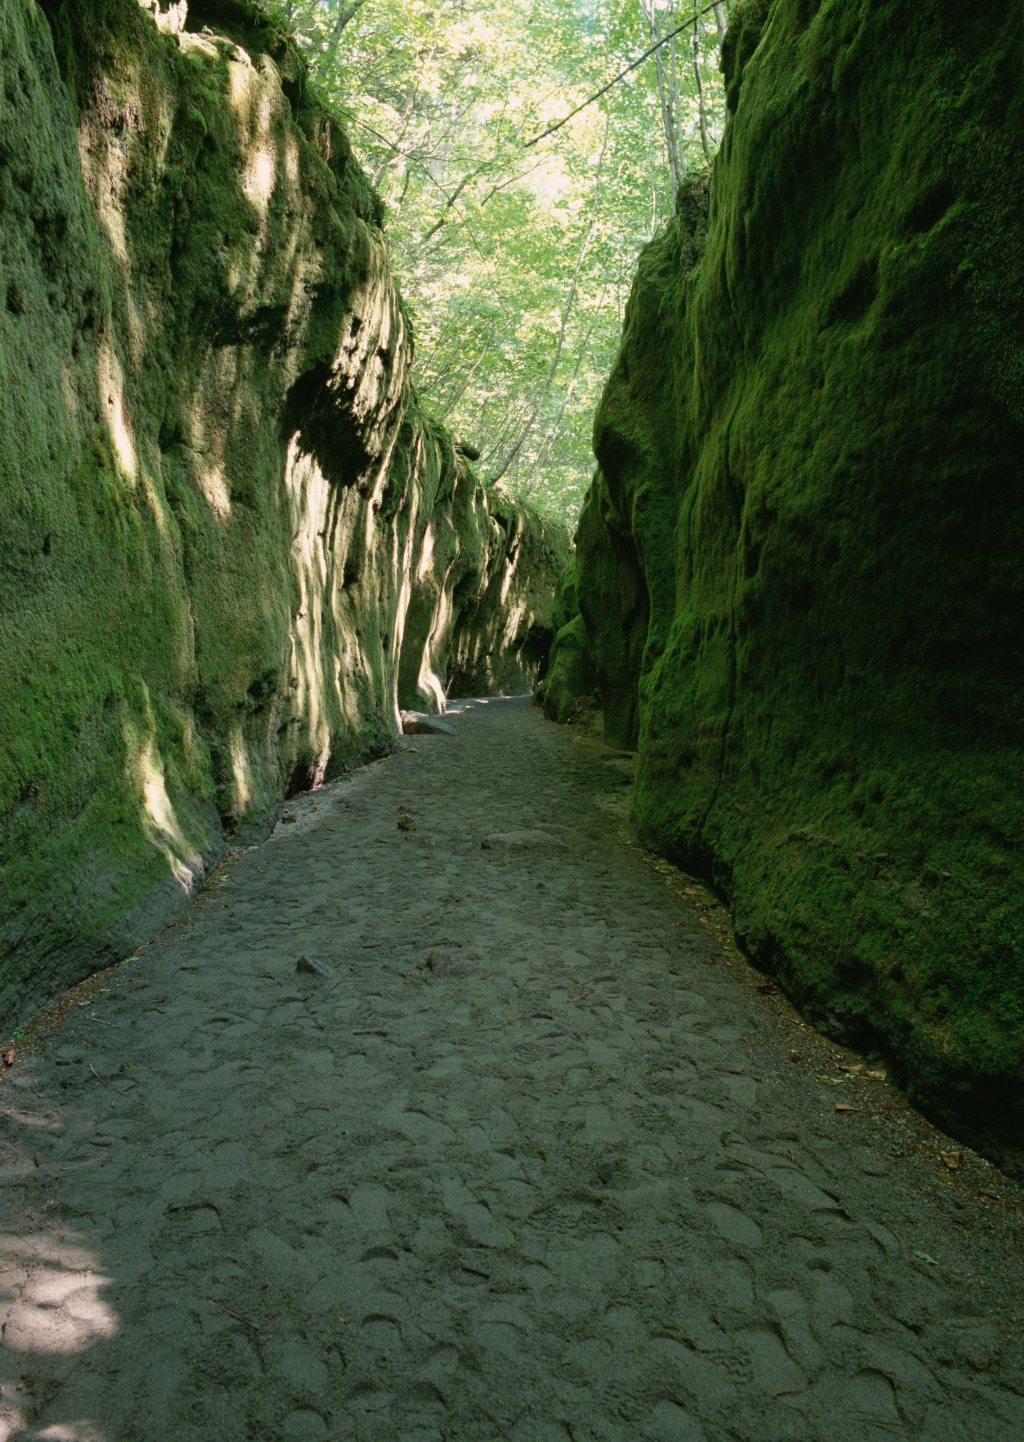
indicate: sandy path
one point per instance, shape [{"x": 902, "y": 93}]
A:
[{"x": 572, "y": 1188}]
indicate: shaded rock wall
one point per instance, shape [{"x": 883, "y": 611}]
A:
[
  {"x": 569, "y": 689},
  {"x": 800, "y": 566},
  {"x": 227, "y": 531}
]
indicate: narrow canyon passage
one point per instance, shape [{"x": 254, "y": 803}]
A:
[{"x": 445, "y": 1119}]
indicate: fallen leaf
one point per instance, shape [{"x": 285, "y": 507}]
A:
[
  {"x": 855, "y": 1070},
  {"x": 846, "y": 1107},
  {"x": 878, "y": 1074},
  {"x": 951, "y": 1159},
  {"x": 582, "y": 997},
  {"x": 766, "y": 989},
  {"x": 288, "y": 821},
  {"x": 924, "y": 1257},
  {"x": 680, "y": 923},
  {"x": 7, "y": 1057}
]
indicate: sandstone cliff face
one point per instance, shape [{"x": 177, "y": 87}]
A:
[
  {"x": 800, "y": 566},
  {"x": 228, "y": 536}
]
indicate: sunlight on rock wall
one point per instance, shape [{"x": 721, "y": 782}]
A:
[{"x": 216, "y": 482}]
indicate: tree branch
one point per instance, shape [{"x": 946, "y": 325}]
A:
[
  {"x": 690, "y": 19},
  {"x": 345, "y": 14},
  {"x": 531, "y": 421}
]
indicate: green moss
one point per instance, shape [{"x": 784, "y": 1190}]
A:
[
  {"x": 570, "y": 686},
  {"x": 214, "y": 474},
  {"x": 810, "y": 479}
]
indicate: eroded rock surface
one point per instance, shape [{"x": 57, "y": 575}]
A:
[
  {"x": 230, "y": 544},
  {"x": 799, "y": 568}
]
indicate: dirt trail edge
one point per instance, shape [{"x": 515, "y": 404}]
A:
[{"x": 283, "y": 1179}]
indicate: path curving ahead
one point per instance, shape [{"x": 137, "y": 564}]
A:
[{"x": 566, "y": 1183}]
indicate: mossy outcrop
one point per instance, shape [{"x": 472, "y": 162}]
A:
[
  {"x": 228, "y": 534},
  {"x": 569, "y": 688},
  {"x": 801, "y": 565}
]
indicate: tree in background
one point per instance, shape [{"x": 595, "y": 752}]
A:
[
  {"x": 516, "y": 257},
  {"x": 681, "y": 64}
]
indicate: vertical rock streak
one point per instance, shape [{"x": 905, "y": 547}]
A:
[{"x": 215, "y": 477}]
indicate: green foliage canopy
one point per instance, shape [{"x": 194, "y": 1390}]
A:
[{"x": 516, "y": 260}]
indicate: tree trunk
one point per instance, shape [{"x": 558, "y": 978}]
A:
[
  {"x": 345, "y": 14},
  {"x": 701, "y": 110},
  {"x": 532, "y": 418},
  {"x": 549, "y": 439}
]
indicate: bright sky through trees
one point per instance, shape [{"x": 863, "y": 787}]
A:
[{"x": 516, "y": 259}]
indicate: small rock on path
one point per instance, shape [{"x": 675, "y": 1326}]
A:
[{"x": 561, "y": 1183}]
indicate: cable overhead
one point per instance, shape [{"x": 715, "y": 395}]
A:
[{"x": 690, "y": 20}]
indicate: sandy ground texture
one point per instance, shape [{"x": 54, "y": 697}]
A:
[{"x": 576, "y": 1178}]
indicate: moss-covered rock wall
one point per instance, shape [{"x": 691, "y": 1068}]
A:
[
  {"x": 801, "y": 565},
  {"x": 228, "y": 538}
]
